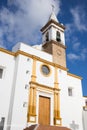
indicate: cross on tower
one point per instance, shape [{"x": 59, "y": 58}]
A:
[
  {"x": 74, "y": 126},
  {"x": 53, "y": 7}
]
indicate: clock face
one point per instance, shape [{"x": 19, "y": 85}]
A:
[{"x": 59, "y": 52}]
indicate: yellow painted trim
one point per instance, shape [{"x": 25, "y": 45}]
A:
[
  {"x": 7, "y": 52},
  {"x": 41, "y": 86},
  {"x": 56, "y": 105},
  {"x": 32, "y": 103},
  {"x": 32, "y": 116},
  {"x": 40, "y": 59},
  {"x": 19, "y": 52},
  {"x": 33, "y": 76},
  {"x": 36, "y": 86},
  {"x": 32, "y": 96},
  {"x": 56, "y": 78},
  {"x": 56, "y": 97},
  {"x": 60, "y": 119},
  {"x": 75, "y": 76},
  {"x": 34, "y": 100},
  {"x": 48, "y": 68}
]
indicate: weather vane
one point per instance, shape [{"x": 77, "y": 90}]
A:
[{"x": 53, "y": 7}]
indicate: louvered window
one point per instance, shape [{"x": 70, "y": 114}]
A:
[
  {"x": 58, "y": 36},
  {"x": 47, "y": 36},
  {"x": 1, "y": 73}
]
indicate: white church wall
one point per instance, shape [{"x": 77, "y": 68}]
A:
[
  {"x": 33, "y": 51},
  {"x": 71, "y": 106},
  {"x": 12, "y": 95},
  {"x": 62, "y": 80},
  {"x": 7, "y": 62},
  {"x": 16, "y": 47},
  {"x": 19, "y": 115},
  {"x": 20, "y": 68}
]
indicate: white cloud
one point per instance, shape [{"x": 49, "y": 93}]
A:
[
  {"x": 2, "y": 43},
  {"x": 24, "y": 23},
  {"x": 72, "y": 56},
  {"x": 78, "y": 24},
  {"x": 81, "y": 56},
  {"x": 83, "y": 53},
  {"x": 79, "y": 18},
  {"x": 76, "y": 46},
  {"x": 1, "y": 39}
]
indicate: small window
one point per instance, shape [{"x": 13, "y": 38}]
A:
[
  {"x": 45, "y": 69},
  {"x": 1, "y": 73},
  {"x": 58, "y": 36},
  {"x": 47, "y": 36},
  {"x": 70, "y": 92}
]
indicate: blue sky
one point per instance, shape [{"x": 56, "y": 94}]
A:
[{"x": 21, "y": 21}]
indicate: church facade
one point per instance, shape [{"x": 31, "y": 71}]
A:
[{"x": 36, "y": 86}]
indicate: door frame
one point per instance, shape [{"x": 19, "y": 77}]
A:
[{"x": 48, "y": 95}]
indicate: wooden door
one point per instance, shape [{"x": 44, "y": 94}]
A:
[{"x": 44, "y": 110}]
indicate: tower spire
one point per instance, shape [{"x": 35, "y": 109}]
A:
[{"x": 53, "y": 16}]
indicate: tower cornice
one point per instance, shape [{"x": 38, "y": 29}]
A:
[
  {"x": 54, "y": 42},
  {"x": 50, "y": 22}
]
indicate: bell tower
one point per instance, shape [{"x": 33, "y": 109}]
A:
[{"x": 53, "y": 40}]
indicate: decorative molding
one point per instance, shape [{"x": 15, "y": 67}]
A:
[
  {"x": 53, "y": 27},
  {"x": 52, "y": 21},
  {"x": 7, "y": 52},
  {"x": 31, "y": 118},
  {"x": 19, "y": 52},
  {"x": 45, "y": 87},
  {"x": 32, "y": 97},
  {"x": 40, "y": 59},
  {"x": 54, "y": 42},
  {"x": 75, "y": 76}
]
